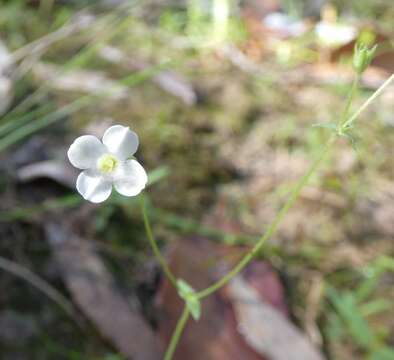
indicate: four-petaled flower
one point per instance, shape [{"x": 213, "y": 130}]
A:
[{"x": 107, "y": 163}]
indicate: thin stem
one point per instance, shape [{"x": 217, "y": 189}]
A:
[
  {"x": 177, "y": 334},
  {"x": 349, "y": 100},
  {"x": 370, "y": 99},
  {"x": 274, "y": 225},
  {"x": 154, "y": 246},
  {"x": 296, "y": 191},
  {"x": 342, "y": 123},
  {"x": 53, "y": 294}
]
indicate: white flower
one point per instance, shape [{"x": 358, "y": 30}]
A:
[
  {"x": 106, "y": 163},
  {"x": 334, "y": 34},
  {"x": 284, "y": 24}
]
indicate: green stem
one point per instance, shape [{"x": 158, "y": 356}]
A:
[
  {"x": 177, "y": 334},
  {"x": 281, "y": 214},
  {"x": 274, "y": 225},
  {"x": 349, "y": 100},
  {"x": 154, "y": 246},
  {"x": 297, "y": 189},
  {"x": 350, "y": 121}
]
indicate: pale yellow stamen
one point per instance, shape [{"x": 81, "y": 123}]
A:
[{"x": 107, "y": 163}]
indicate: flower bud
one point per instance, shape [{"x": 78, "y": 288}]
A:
[{"x": 362, "y": 57}]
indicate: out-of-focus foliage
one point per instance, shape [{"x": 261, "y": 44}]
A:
[{"x": 225, "y": 109}]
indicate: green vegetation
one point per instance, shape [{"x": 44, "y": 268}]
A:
[{"x": 232, "y": 125}]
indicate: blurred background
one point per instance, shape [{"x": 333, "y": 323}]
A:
[{"x": 223, "y": 95}]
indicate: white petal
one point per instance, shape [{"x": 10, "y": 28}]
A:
[
  {"x": 121, "y": 141},
  {"x": 93, "y": 186},
  {"x": 131, "y": 179},
  {"x": 85, "y": 151}
]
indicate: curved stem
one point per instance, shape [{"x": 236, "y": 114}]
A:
[
  {"x": 27, "y": 275},
  {"x": 177, "y": 334},
  {"x": 154, "y": 245},
  {"x": 345, "y": 121},
  {"x": 274, "y": 225}
]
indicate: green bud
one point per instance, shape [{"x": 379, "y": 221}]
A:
[
  {"x": 362, "y": 57},
  {"x": 367, "y": 37}
]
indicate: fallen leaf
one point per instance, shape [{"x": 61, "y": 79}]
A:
[
  {"x": 170, "y": 81},
  {"x": 93, "y": 290},
  {"x": 58, "y": 171},
  {"x": 94, "y": 82},
  {"x": 6, "y": 83},
  {"x": 264, "y": 328},
  {"x": 215, "y": 336},
  {"x": 176, "y": 85}
]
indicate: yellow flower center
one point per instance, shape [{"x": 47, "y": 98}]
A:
[{"x": 107, "y": 163}]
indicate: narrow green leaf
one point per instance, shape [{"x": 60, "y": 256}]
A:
[
  {"x": 187, "y": 293},
  {"x": 346, "y": 307},
  {"x": 194, "y": 307}
]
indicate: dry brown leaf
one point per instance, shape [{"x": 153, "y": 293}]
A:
[
  {"x": 93, "y": 289},
  {"x": 215, "y": 336},
  {"x": 265, "y": 329}
]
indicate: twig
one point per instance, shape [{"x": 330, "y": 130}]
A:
[{"x": 24, "y": 273}]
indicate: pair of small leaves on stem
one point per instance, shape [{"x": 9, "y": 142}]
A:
[
  {"x": 188, "y": 294},
  {"x": 343, "y": 131}
]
